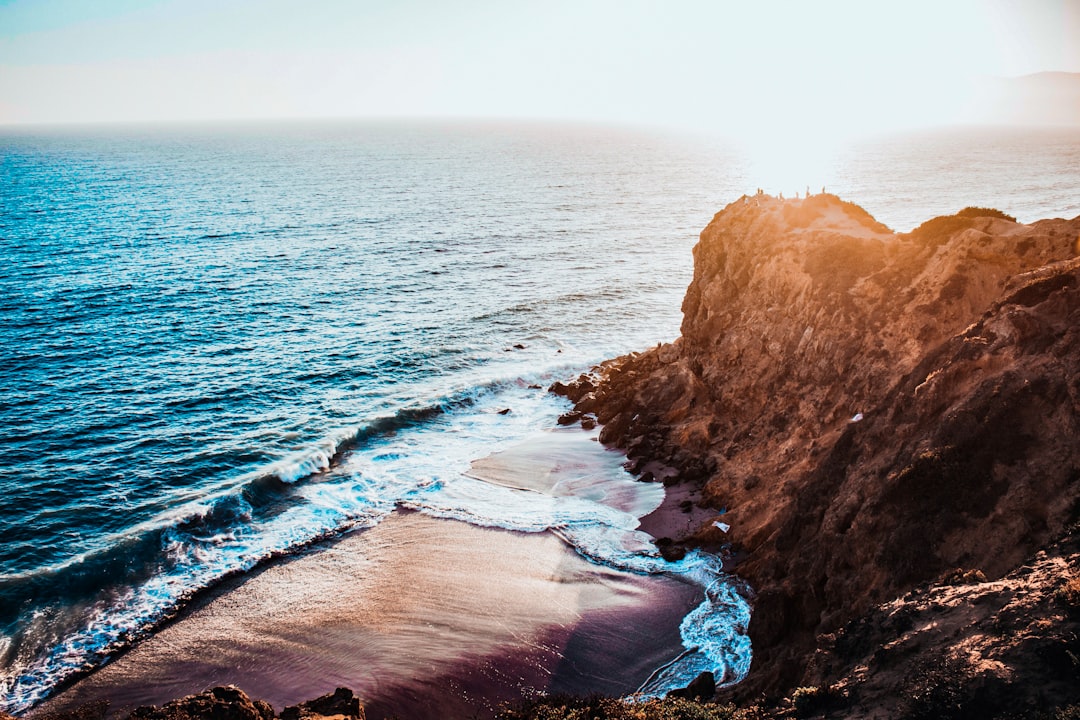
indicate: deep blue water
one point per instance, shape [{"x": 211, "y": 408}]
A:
[{"x": 218, "y": 344}]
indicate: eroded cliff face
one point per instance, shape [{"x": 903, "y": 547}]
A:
[{"x": 872, "y": 409}]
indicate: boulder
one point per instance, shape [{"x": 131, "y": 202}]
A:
[
  {"x": 219, "y": 703},
  {"x": 339, "y": 705}
]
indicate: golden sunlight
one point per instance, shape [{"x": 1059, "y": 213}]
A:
[{"x": 790, "y": 164}]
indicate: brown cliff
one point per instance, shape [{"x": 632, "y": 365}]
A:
[{"x": 872, "y": 408}]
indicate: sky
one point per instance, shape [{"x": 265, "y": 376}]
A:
[{"x": 756, "y": 67}]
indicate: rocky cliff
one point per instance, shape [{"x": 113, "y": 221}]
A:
[{"x": 872, "y": 409}]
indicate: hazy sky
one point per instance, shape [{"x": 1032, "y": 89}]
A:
[{"x": 749, "y": 66}]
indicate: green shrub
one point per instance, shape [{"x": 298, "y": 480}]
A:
[
  {"x": 974, "y": 212},
  {"x": 960, "y": 576},
  {"x": 1069, "y": 595},
  {"x": 814, "y": 700},
  {"x": 937, "y": 231}
]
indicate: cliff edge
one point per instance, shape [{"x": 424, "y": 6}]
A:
[{"x": 870, "y": 410}]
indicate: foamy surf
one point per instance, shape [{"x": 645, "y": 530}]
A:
[{"x": 598, "y": 525}]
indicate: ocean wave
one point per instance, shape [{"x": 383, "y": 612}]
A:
[
  {"x": 61, "y": 621},
  {"x": 414, "y": 457},
  {"x": 714, "y": 633}
]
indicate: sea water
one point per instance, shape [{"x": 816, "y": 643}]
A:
[{"x": 220, "y": 344}]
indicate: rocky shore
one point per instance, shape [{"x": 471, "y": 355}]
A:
[{"x": 873, "y": 412}]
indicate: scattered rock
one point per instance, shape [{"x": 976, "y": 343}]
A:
[
  {"x": 504, "y": 411},
  {"x": 669, "y": 549},
  {"x": 340, "y": 705},
  {"x": 574, "y": 390},
  {"x": 220, "y": 703},
  {"x": 959, "y": 576},
  {"x": 569, "y": 418}
]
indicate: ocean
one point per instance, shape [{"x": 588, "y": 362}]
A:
[{"x": 222, "y": 344}]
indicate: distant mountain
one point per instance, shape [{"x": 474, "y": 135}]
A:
[{"x": 1046, "y": 98}]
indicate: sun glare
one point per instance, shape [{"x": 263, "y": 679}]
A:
[{"x": 790, "y": 165}]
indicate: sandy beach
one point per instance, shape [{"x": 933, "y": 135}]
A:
[{"x": 421, "y": 617}]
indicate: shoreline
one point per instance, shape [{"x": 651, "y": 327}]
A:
[{"x": 509, "y": 614}]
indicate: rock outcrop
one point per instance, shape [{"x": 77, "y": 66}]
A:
[
  {"x": 873, "y": 409},
  {"x": 224, "y": 703},
  {"x": 220, "y": 703},
  {"x": 963, "y": 647}
]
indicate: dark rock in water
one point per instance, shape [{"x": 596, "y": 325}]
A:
[
  {"x": 669, "y": 550},
  {"x": 588, "y": 404},
  {"x": 569, "y": 418},
  {"x": 588, "y": 422},
  {"x": 574, "y": 390},
  {"x": 673, "y": 553},
  {"x": 519, "y": 346},
  {"x": 647, "y": 476},
  {"x": 703, "y": 687},
  {"x": 220, "y": 703},
  {"x": 559, "y": 388},
  {"x": 504, "y": 411},
  {"x": 534, "y": 386},
  {"x": 340, "y": 703}
]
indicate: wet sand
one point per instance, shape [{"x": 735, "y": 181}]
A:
[{"x": 421, "y": 617}]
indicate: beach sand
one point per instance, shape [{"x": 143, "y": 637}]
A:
[{"x": 421, "y": 617}]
